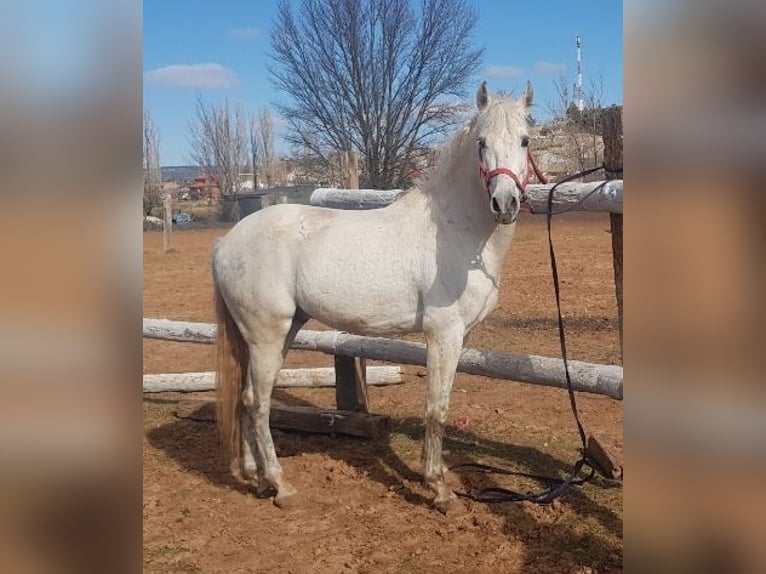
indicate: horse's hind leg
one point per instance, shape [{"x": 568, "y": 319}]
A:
[
  {"x": 266, "y": 358},
  {"x": 250, "y": 468}
]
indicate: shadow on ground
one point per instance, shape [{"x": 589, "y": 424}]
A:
[{"x": 194, "y": 446}]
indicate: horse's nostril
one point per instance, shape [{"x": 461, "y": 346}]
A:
[
  {"x": 495, "y": 205},
  {"x": 514, "y": 204}
]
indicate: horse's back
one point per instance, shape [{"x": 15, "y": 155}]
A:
[
  {"x": 286, "y": 221},
  {"x": 257, "y": 258}
]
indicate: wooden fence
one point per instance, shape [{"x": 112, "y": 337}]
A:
[{"x": 532, "y": 369}]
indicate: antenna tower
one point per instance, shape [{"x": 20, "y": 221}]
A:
[{"x": 579, "y": 100}]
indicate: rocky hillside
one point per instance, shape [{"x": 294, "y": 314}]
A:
[{"x": 562, "y": 150}]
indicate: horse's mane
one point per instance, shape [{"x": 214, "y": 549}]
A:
[{"x": 501, "y": 114}]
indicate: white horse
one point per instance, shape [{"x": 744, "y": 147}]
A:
[{"x": 430, "y": 262}]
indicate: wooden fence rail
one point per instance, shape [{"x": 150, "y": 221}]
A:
[
  {"x": 532, "y": 369},
  {"x": 604, "y": 196},
  {"x": 288, "y": 378}
]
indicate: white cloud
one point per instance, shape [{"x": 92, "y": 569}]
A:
[
  {"x": 203, "y": 76},
  {"x": 504, "y": 71},
  {"x": 550, "y": 68},
  {"x": 245, "y": 33}
]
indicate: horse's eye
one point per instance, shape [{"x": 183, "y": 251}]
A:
[
  {"x": 525, "y": 141},
  {"x": 482, "y": 142}
]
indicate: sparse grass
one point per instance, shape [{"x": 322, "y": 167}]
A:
[
  {"x": 164, "y": 551},
  {"x": 405, "y": 446},
  {"x": 168, "y": 558},
  {"x": 203, "y": 213}
]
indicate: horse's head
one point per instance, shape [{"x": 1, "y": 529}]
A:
[{"x": 502, "y": 138}]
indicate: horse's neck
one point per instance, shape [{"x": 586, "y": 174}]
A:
[{"x": 460, "y": 202}]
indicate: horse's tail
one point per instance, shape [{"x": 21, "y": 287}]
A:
[{"x": 231, "y": 370}]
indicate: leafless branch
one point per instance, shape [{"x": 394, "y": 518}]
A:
[
  {"x": 266, "y": 134},
  {"x": 579, "y": 128},
  {"x": 218, "y": 143},
  {"x": 255, "y": 150},
  {"x": 373, "y": 76},
  {"x": 152, "y": 169}
]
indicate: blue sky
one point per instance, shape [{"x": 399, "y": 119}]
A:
[{"x": 220, "y": 49}]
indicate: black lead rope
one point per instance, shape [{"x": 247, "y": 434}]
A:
[{"x": 554, "y": 487}]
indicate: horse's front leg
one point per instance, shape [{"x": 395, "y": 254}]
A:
[{"x": 443, "y": 353}]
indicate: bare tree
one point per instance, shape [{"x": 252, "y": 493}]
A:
[
  {"x": 379, "y": 77},
  {"x": 255, "y": 149},
  {"x": 580, "y": 129},
  {"x": 262, "y": 145},
  {"x": 308, "y": 168},
  {"x": 152, "y": 169},
  {"x": 594, "y": 101},
  {"x": 558, "y": 107},
  {"x": 266, "y": 128},
  {"x": 218, "y": 142}
]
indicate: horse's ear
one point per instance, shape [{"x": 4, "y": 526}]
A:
[
  {"x": 482, "y": 96},
  {"x": 529, "y": 94}
]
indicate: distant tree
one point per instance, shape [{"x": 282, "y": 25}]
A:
[
  {"x": 379, "y": 77},
  {"x": 152, "y": 169},
  {"x": 266, "y": 123},
  {"x": 262, "y": 146},
  {"x": 580, "y": 128},
  {"x": 218, "y": 143},
  {"x": 593, "y": 111},
  {"x": 255, "y": 149},
  {"x": 309, "y": 168}
]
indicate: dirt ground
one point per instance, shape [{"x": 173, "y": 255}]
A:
[{"x": 364, "y": 508}]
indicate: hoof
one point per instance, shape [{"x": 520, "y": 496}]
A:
[
  {"x": 287, "y": 501},
  {"x": 265, "y": 491},
  {"x": 451, "y": 506}
]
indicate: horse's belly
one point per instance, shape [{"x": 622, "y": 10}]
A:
[
  {"x": 373, "y": 314},
  {"x": 365, "y": 303}
]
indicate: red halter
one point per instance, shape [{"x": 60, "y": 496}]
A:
[{"x": 487, "y": 174}]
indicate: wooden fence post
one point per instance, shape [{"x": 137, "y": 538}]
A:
[
  {"x": 350, "y": 372},
  {"x": 167, "y": 228},
  {"x": 351, "y": 384},
  {"x": 611, "y": 131}
]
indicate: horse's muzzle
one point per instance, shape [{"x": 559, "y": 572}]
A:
[{"x": 505, "y": 207}]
